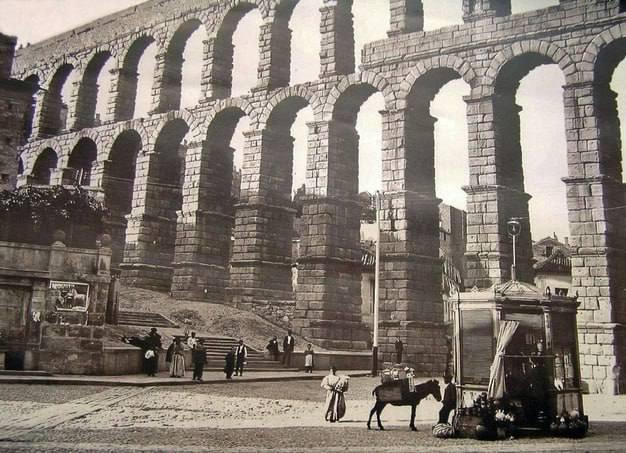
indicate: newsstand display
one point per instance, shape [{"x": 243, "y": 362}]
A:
[{"x": 516, "y": 357}]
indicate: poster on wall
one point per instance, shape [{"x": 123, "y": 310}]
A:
[{"x": 70, "y": 295}]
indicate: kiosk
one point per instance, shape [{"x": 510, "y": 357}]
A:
[{"x": 516, "y": 359}]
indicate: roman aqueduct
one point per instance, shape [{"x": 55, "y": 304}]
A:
[{"x": 167, "y": 177}]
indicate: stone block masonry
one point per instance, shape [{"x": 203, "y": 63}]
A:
[{"x": 177, "y": 231}]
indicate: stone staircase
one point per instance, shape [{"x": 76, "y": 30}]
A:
[
  {"x": 217, "y": 347},
  {"x": 145, "y": 319}
]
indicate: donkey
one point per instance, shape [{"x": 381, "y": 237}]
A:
[{"x": 412, "y": 399}]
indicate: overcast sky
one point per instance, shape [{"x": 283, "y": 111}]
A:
[{"x": 540, "y": 93}]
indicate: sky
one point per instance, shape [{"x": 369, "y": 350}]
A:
[{"x": 539, "y": 95}]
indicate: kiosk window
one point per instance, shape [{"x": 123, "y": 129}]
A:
[{"x": 477, "y": 345}]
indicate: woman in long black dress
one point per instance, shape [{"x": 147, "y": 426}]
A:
[{"x": 229, "y": 368}]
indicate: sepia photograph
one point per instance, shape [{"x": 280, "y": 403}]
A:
[{"x": 312, "y": 225}]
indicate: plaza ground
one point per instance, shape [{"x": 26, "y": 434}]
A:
[{"x": 248, "y": 416}]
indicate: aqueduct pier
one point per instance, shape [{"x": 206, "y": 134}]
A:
[{"x": 167, "y": 177}]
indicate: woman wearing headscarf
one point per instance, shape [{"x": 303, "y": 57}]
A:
[
  {"x": 177, "y": 368},
  {"x": 335, "y": 386}
]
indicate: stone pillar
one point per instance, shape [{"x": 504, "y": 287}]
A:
[
  {"x": 262, "y": 252},
  {"x": 117, "y": 192},
  {"x": 39, "y": 116},
  {"x": 122, "y": 94},
  {"x": 151, "y": 230},
  {"x": 406, "y": 16},
  {"x": 217, "y": 70},
  {"x": 275, "y": 54},
  {"x": 166, "y": 88},
  {"x": 204, "y": 224},
  {"x": 481, "y": 9},
  {"x": 337, "y": 38},
  {"x": 411, "y": 305},
  {"x": 597, "y": 231},
  {"x": 494, "y": 197},
  {"x": 328, "y": 302},
  {"x": 84, "y": 99}
]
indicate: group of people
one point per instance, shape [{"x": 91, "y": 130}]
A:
[
  {"x": 289, "y": 343},
  {"x": 236, "y": 359},
  {"x": 152, "y": 345},
  {"x": 175, "y": 357}
]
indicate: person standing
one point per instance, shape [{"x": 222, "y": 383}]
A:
[
  {"x": 177, "y": 368},
  {"x": 153, "y": 346},
  {"x": 399, "y": 348},
  {"x": 272, "y": 347},
  {"x": 192, "y": 341},
  {"x": 289, "y": 343},
  {"x": 170, "y": 353},
  {"x": 308, "y": 358},
  {"x": 449, "y": 399},
  {"x": 241, "y": 354},
  {"x": 229, "y": 366},
  {"x": 335, "y": 387},
  {"x": 198, "y": 355}
]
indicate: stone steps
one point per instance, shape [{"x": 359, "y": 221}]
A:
[
  {"x": 144, "y": 319},
  {"x": 218, "y": 347}
]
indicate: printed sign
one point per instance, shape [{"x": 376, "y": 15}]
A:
[{"x": 70, "y": 295}]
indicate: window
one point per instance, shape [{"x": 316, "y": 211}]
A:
[{"x": 549, "y": 249}]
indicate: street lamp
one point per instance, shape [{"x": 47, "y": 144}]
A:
[
  {"x": 514, "y": 228},
  {"x": 377, "y": 204}
]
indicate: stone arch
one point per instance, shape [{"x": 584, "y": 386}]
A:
[
  {"x": 136, "y": 126},
  {"x": 81, "y": 159},
  {"x": 51, "y": 118},
  {"x": 194, "y": 124},
  {"x": 600, "y": 60},
  {"x": 234, "y": 103},
  {"x": 362, "y": 85},
  {"x": 118, "y": 183},
  {"x": 91, "y": 134},
  {"x": 220, "y": 71},
  {"x": 281, "y": 95},
  {"x": 128, "y": 76},
  {"x": 598, "y": 45},
  {"x": 46, "y": 161},
  {"x": 462, "y": 67},
  {"x": 171, "y": 87},
  {"x": 542, "y": 52},
  {"x": 419, "y": 124},
  {"x": 169, "y": 148}
]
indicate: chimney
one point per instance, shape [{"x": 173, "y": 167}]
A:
[{"x": 566, "y": 240}]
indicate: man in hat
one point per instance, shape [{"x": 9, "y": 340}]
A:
[
  {"x": 151, "y": 355},
  {"x": 449, "y": 399},
  {"x": 241, "y": 354},
  {"x": 198, "y": 355}
]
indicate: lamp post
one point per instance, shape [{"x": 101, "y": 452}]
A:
[
  {"x": 377, "y": 199},
  {"x": 514, "y": 228}
]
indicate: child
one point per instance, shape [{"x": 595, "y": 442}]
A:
[{"x": 308, "y": 359}]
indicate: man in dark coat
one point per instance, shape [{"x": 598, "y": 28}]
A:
[
  {"x": 272, "y": 347},
  {"x": 241, "y": 354},
  {"x": 229, "y": 367},
  {"x": 153, "y": 343},
  {"x": 198, "y": 355},
  {"x": 289, "y": 342},
  {"x": 448, "y": 401},
  {"x": 399, "y": 348}
]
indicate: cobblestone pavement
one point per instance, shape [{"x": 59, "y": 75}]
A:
[{"x": 284, "y": 416}]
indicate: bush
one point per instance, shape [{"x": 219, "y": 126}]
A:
[{"x": 32, "y": 214}]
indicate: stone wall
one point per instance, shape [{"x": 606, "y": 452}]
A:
[
  {"x": 67, "y": 341},
  {"x": 491, "y": 51},
  {"x": 15, "y": 102}
]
